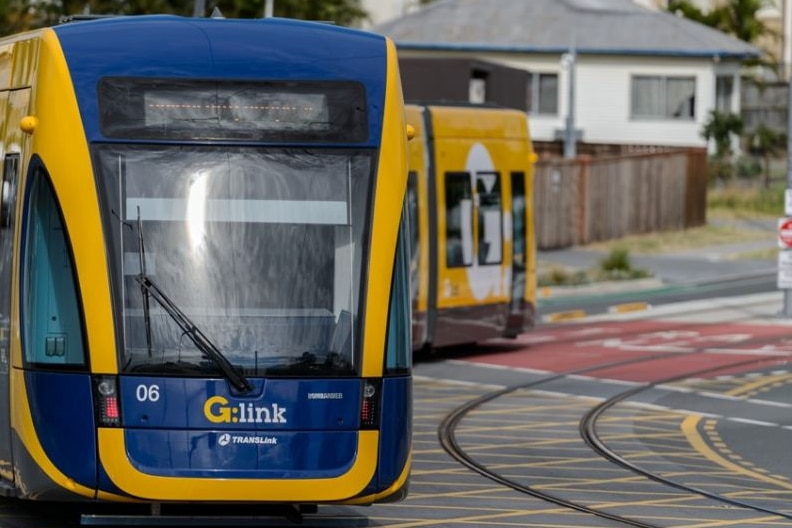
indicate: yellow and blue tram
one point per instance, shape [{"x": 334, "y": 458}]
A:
[
  {"x": 204, "y": 277},
  {"x": 473, "y": 256}
]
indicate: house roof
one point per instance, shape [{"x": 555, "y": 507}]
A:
[{"x": 612, "y": 27}]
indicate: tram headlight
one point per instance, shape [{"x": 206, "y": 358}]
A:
[{"x": 106, "y": 402}]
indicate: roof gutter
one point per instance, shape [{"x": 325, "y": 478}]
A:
[{"x": 557, "y": 50}]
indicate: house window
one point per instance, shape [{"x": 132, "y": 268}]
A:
[
  {"x": 543, "y": 93},
  {"x": 477, "y": 87},
  {"x": 663, "y": 97},
  {"x": 724, "y": 88}
]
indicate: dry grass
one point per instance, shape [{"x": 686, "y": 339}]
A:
[{"x": 674, "y": 241}]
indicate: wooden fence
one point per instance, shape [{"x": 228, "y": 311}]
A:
[{"x": 594, "y": 199}]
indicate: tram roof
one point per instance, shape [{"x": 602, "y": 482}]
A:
[{"x": 601, "y": 27}]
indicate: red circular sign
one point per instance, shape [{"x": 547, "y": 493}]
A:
[{"x": 785, "y": 232}]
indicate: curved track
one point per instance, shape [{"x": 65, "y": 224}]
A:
[{"x": 447, "y": 433}]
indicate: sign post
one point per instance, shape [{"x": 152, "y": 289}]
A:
[
  {"x": 785, "y": 233},
  {"x": 786, "y": 310},
  {"x": 785, "y": 255}
]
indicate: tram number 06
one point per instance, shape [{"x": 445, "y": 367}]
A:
[{"x": 147, "y": 393}]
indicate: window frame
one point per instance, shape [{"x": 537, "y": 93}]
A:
[
  {"x": 662, "y": 99},
  {"x": 535, "y": 97},
  {"x": 724, "y": 92}
]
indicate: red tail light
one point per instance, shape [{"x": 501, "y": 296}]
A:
[
  {"x": 106, "y": 403},
  {"x": 370, "y": 404}
]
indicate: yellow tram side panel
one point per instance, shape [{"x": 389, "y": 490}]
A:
[
  {"x": 418, "y": 164},
  {"x": 457, "y": 131},
  {"x": 34, "y": 81},
  {"x": 17, "y": 65}
]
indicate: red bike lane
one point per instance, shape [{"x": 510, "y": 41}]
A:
[{"x": 668, "y": 348}]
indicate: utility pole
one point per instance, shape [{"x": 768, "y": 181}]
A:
[
  {"x": 199, "y": 7},
  {"x": 269, "y": 8},
  {"x": 569, "y": 60}
]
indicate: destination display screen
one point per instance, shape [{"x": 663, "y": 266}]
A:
[{"x": 232, "y": 110}]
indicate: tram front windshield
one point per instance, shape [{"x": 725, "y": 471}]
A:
[{"x": 260, "y": 249}]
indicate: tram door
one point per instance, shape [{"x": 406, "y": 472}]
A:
[{"x": 14, "y": 107}]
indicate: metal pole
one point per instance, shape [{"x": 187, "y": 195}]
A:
[
  {"x": 269, "y": 8},
  {"x": 199, "y": 8},
  {"x": 570, "y": 138},
  {"x": 787, "y": 310}
]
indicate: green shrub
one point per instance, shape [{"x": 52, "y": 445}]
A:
[
  {"x": 748, "y": 168},
  {"x": 558, "y": 276},
  {"x": 617, "y": 266},
  {"x": 617, "y": 260}
]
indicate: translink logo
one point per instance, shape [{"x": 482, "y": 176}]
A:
[{"x": 217, "y": 410}]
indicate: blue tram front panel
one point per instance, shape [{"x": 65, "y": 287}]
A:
[{"x": 282, "y": 429}]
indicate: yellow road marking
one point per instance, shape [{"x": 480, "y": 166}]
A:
[
  {"x": 629, "y": 307},
  {"x": 734, "y": 522},
  {"x": 690, "y": 428},
  {"x": 559, "y": 317},
  {"x": 760, "y": 383}
]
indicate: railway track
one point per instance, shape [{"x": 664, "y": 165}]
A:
[{"x": 679, "y": 495}]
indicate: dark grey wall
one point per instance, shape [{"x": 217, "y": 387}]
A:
[{"x": 438, "y": 79}]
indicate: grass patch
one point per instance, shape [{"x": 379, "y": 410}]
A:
[
  {"x": 746, "y": 200},
  {"x": 673, "y": 241},
  {"x": 759, "y": 254}
]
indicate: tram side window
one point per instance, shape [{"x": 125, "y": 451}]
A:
[
  {"x": 459, "y": 219},
  {"x": 518, "y": 219},
  {"x": 490, "y": 218},
  {"x": 399, "y": 348},
  {"x": 414, "y": 233},
  {"x": 50, "y": 308},
  {"x": 412, "y": 212},
  {"x": 7, "y": 223}
]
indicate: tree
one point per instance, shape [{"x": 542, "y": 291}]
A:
[
  {"x": 19, "y": 15},
  {"x": 767, "y": 143},
  {"x": 719, "y": 128},
  {"x": 341, "y": 12},
  {"x": 738, "y": 18}
]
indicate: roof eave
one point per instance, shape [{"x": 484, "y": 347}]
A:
[{"x": 703, "y": 54}]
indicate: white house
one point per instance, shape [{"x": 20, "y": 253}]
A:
[{"x": 640, "y": 76}]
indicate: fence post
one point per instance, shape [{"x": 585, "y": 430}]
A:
[{"x": 583, "y": 165}]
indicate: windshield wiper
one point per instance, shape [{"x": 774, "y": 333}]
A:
[{"x": 203, "y": 343}]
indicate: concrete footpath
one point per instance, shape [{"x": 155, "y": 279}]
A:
[{"x": 706, "y": 265}]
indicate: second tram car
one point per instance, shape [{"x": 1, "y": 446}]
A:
[
  {"x": 472, "y": 236},
  {"x": 204, "y": 271}
]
